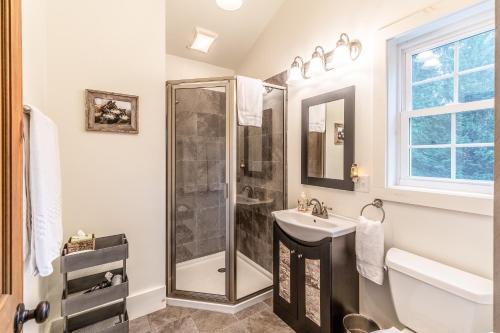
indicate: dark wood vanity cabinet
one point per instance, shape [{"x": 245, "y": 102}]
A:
[{"x": 315, "y": 284}]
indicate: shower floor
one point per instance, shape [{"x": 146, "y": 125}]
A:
[{"x": 201, "y": 275}]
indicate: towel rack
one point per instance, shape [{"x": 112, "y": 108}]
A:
[{"x": 378, "y": 203}]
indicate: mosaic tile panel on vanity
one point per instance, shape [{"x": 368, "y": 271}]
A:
[{"x": 200, "y": 173}]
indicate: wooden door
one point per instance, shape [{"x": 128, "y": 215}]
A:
[{"x": 11, "y": 238}]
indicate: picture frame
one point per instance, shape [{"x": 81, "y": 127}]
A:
[
  {"x": 111, "y": 112},
  {"x": 339, "y": 134}
]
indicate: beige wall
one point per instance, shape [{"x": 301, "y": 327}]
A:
[
  {"x": 458, "y": 239},
  {"x": 179, "y": 68},
  {"x": 112, "y": 183},
  {"x": 34, "y": 82}
]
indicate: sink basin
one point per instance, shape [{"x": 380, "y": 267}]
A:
[
  {"x": 304, "y": 226},
  {"x": 244, "y": 200}
]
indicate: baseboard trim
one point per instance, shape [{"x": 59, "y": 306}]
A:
[
  {"x": 224, "y": 308},
  {"x": 147, "y": 301}
]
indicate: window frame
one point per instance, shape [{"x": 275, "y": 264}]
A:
[{"x": 405, "y": 50}]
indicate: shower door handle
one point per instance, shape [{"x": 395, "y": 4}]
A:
[{"x": 226, "y": 190}]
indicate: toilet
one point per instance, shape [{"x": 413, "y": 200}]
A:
[{"x": 431, "y": 297}]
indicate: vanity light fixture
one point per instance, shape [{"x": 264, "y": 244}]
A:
[
  {"x": 230, "y": 5},
  {"x": 317, "y": 62},
  {"x": 203, "y": 40},
  {"x": 296, "y": 72},
  {"x": 345, "y": 52},
  {"x": 354, "y": 173}
]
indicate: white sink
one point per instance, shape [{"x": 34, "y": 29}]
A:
[{"x": 309, "y": 228}]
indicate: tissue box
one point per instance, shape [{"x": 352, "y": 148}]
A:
[{"x": 76, "y": 244}]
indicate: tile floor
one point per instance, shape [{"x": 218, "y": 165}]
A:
[{"x": 258, "y": 318}]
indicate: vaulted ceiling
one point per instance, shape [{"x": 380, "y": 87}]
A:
[{"x": 237, "y": 30}]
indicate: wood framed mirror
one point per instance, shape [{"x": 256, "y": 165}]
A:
[{"x": 328, "y": 139}]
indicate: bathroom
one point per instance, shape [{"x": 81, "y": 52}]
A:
[{"x": 129, "y": 183}]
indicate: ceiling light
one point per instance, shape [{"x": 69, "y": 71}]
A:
[
  {"x": 317, "y": 63},
  {"x": 203, "y": 39},
  {"x": 296, "y": 72},
  {"x": 345, "y": 52},
  {"x": 229, "y": 4}
]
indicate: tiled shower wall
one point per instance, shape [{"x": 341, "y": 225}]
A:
[
  {"x": 200, "y": 121},
  {"x": 254, "y": 222}
]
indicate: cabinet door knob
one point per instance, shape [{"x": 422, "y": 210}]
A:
[{"x": 299, "y": 255}]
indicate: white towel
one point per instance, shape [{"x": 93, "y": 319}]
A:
[
  {"x": 45, "y": 193},
  {"x": 250, "y": 99},
  {"x": 317, "y": 118},
  {"x": 370, "y": 249}
]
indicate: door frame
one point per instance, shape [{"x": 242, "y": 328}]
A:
[{"x": 11, "y": 230}]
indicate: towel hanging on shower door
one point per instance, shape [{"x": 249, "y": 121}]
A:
[{"x": 250, "y": 99}]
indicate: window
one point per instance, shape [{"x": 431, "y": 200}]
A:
[{"x": 446, "y": 118}]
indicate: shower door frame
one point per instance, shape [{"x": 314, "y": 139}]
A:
[{"x": 229, "y": 82}]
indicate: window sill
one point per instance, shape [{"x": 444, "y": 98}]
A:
[{"x": 473, "y": 203}]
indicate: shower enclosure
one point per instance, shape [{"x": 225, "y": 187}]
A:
[{"x": 224, "y": 180}]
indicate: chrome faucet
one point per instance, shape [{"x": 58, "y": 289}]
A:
[
  {"x": 319, "y": 208},
  {"x": 249, "y": 189}
]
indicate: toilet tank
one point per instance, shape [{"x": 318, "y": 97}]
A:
[{"x": 430, "y": 297}]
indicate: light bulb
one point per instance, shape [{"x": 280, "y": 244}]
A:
[
  {"x": 316, "y": 66},
  {"x": 341, "y": 56},
  {"x": 230, "y": 5},
  {"x": 294, "y": 74}
]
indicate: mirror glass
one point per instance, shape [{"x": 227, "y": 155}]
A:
[
  {"x": 328, "y": 139},
  {"x": 325, "y": 153}
]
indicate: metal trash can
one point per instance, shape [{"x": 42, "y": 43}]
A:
[{"x": 357, "y": 323}]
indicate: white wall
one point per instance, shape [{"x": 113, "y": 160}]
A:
[
  {"x": 112, "y": 183},
  {"x": 34, "y": 82},
  {"x": 178, "y": 68},
  {"x": 458, "y": 239}
]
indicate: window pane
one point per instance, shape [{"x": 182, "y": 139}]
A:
[
  {"x": 431, "y": 162},
  {"x": 476, "y": 86},
  {"x": 475, "y": 163},
  {"x": 431, "y": 130},
  {"x": 476, "y": 126},
  {"x": 436, "y": 93},
  {"x": 432, "y": 63},
  {"x": 477, "y": 51}
]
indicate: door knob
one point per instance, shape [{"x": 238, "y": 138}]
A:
[{"x": 40, "y": 314}]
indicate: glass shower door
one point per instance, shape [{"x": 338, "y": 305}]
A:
[
  {"x": 260, "y": 188},
  {"x": 199, "y": 227}
]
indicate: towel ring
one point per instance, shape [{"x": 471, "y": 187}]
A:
[{"x": 378, "y": 203}]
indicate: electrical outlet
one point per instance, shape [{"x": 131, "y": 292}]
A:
[{"x": 363, "y": 184}]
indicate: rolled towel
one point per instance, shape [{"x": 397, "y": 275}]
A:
[{"x": 370, "y": 249}]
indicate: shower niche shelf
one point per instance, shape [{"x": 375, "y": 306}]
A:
[{"x": 97, "y": 307}]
